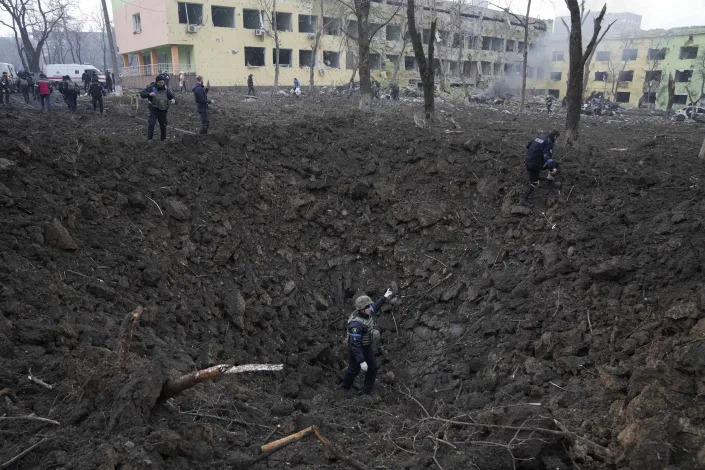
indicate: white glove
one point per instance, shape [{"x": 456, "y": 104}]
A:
[
  {"x": 363, "y": 366},
  {"x": 172, "y": 101},
  {"x": 388, "y": 294}
]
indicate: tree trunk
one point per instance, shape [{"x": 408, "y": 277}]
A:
[
  {"x": 362, "y": 11},
  {"x": 586, "y": 74},
  {"x": 525, "y": 58},
  {"x": 425, "y": 66},
  {"x": 312, "y": 65},
  {"x": 575, "y": 73},
  {"x": 276, "y": 43},
  {"x": 20, "y": 51},
  {"x": 111, "y": 44},
  {"x": 671, "y": 92},
  {"x": 461, "y": 68},
  {"x": 702, "y": 151}
]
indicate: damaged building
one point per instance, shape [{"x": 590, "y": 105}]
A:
[
  {"x": 227, "y": 40},
  {"x": 632, "y": 66}
]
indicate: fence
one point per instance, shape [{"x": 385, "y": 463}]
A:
[{"x": 153, "y": 69}]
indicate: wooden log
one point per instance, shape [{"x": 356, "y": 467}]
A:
[{"x": 186, "y": 381}]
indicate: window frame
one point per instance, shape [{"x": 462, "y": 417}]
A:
[
  {"x": 234, "y": 12},
  {"x": 188, "y": 21},
  {"x": 264, "y": 56},
  {"x": 136, "y": 25}
]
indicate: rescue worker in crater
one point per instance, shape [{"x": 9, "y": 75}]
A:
[
  {"x": 361, "y": 340},
  {"x": 539, "y": 157}
]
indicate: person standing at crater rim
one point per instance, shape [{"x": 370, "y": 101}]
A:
[
  {"x": 361, "y": 339},
  {"x": 539, "y": 156}
]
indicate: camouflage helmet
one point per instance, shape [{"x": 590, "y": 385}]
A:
[{"x": 362, "y": 302}]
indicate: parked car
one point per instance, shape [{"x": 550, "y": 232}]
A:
[
  {"x": 55, "y": 72},
  {"x": 696, "y": 113}
]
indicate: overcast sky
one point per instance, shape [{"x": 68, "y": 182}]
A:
[{"x": 655, "y": 13}]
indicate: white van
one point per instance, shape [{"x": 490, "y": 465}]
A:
[{"x": 55, "y": 72}]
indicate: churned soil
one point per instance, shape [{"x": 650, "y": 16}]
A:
[{"x": 567, "y": 335}]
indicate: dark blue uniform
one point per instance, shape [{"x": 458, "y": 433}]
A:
[
  {"x": 539, "y": 156},
  {"x": 201, "y": 95},
  {"x": 360, "y": 348}
]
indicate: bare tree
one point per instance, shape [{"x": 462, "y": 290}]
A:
[
  {"x": 269, "y": 9},
  {"x": 425, "y": 64},
  {"x": 654, "y": 76},
  {"x": 699, "y": 71},
  {"x": 583, "y": 17},
  {"x": 577, "y": 60},
  {"x": 111, "y": 43},
  {"x": 365, "y": 32},
  {"x": 702, "y": 151},
  {"x": 671, "y": 87},
  {"x": 33, "y": 19}
]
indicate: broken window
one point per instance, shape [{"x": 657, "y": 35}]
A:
[
  {"x": 690, "y": 52},
  {"x": 251, "y": 19},
  {"x": 223, "y": 17},
  {"x": 486, "y": 68},
  {"x": 603, "y": 56},
  {"x": 410, "y": 63},
  {"x": 375, "y": 61},
  {"x": 626, "y": 76},
  {"x": 656, "y": 54},
  {"x": 350, "y": 60},
  {"x": 680, "y": 99},
  {"x": 629, "y": 54},
  {"x": 443, "y": 37},
  {"x": 284, "y": 57},
  {"x": 375, "y": 30},
  {"x": 331, "y": 59},
  {"x": 601, "y": 76},
  {"x": 190, "y": 13},
  {"x": 425, "y": 35},
  {"x": 305, "y": 58},
  {"x": 510, "y": 45},
  {"x": 467, "y": 68},
  {"x": 474, "y": 42},
  {"x": 555, "y": 93},
  {"x": 649, "y": 98},
  {"x": 393, "y": 32},
  {"x": 497, "y": 44},
  {"x": 622, "y": 97},
  {"x": 352, "y": 29},
  {"x": 283, "y": 21},
  {"x": 333, "y": 26},
  {"x": 392, "y": 58},
  {"x": 683, "y": 76},
  {"x": 556, "y": 75},
  {"x": 458, "y": 40},
  {"x": 136, "y": 24},
  {"x": 254, "y": 56},
  {"x": 486, "y": 43},
  {"x": 557, "y": 56},
  {"x": 307, "y": 24},
  {"x": 454, "y": 68},
  {"x": 653, "y": 75}
]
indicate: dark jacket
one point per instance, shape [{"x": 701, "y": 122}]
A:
[
  {"x": 201, "y": 95},
  {"x": 540, "y": 153},
  {"x": 359, "y": 334},
  {"x": 108, "y": 80},
  {"x": 96, "y": 90},
  {"x": 249, "y": 80},
  {"x": 162, "y": 98},
  {"x": 68, "y": 87},
  {"x": 5, "y": 82},
  {"x": 85, "y": 77}
]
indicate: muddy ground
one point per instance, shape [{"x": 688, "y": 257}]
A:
[{"x": 570, "y": 336}]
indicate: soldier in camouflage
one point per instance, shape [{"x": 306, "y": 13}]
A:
[{"x": 361, "y": 339}]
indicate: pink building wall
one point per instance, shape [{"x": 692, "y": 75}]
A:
[{"x": 154, "y": 28}]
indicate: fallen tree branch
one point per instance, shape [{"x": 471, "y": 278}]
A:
[
  {"x": 37, "y": 381},
  {"x": 129, "y": 325},
  {"x": 268, "y": 449},
  {"x": 31, "y": 417},
  {"x": 175, "y": 386},
  {"x": 601, "y": 452},
  {"x": 22, "y": 454}
]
